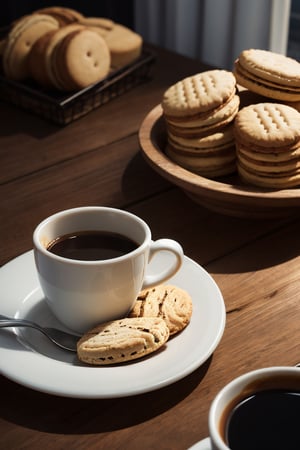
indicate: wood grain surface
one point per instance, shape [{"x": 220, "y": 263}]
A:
[{"x": 97, "y": 161}]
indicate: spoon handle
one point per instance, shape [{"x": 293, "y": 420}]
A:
[{"x": 11, "y": 322}]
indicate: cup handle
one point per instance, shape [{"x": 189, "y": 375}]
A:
[{"x": 171, "y": 246}]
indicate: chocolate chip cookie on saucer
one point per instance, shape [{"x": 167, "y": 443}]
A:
[
  {"x": 171, "y": 303},
  {"x": 122, "y": 340}
]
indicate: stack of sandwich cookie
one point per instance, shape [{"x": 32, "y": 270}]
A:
[
  {"x": 199, "y": 113},
  {"x": 269, "y": 74},
  {"x": 268, "y": 145}
]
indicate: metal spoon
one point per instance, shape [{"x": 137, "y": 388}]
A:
[{"x": 64, "y": 340}]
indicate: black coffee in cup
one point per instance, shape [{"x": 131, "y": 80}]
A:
[
  {"x": 92, "y": 245},
  {"x": 265, "y": 420},
  {"x": 264, "y": 415}
]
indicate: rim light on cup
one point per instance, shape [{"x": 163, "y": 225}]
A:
[
  {"x": 262, "y": 379},
  {"x": 82, "y": 294}
]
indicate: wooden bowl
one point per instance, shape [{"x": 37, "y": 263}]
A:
[{"x": 227, "y": 195}]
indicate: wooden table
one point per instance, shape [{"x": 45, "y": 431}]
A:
[{"x": 96, "y": 161}]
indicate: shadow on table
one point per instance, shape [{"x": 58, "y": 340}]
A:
[
  {"x": 228, "y": 244},
  {"x": 271, "y": 249},
  {"x": 52, "y": 414}
]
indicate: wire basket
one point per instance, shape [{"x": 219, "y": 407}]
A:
[{"x": 63, "y": 109}]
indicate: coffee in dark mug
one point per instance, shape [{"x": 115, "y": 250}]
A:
[
  {"x": 258, "y": 410},
  {"x": 264, "y": 419}
]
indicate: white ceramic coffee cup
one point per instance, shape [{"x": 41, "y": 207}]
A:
[
  {"x": 243, "y": 386},
  {"x": 82, "y": 294}
]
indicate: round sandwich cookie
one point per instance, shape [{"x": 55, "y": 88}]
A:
[
  {"x": 269, "y": 74},
  {"x": 217, "y": 141},
  {"x": 199, "y": 95},
  {"x": 269, "y": 180},
  {"x": 80, "y": 59},
  {"x": 205, "y": 126},
  {"x": 211, "y": 156},
  {"x": 101, "y": 25},
  {"x": 37, "y": 60},
  {"x": 268, "y": 166},
  {"x": 122, "y": 340},
  {"x": 71, "y": 58},
  {"x": 63, "y": 15},
  {"x": 171, "y": 303},
  {"x": 46, "y": 51},
  {"x": 278, "y": 156},
  {"x": 219, "y": 116},
  {"x": 19, "y": 42},
  {"x": 125, "y": 45},
  {"x": 211, "y": 164},
  {"x": 268, "y": 145},
  {"x": 268, "y": 125}
]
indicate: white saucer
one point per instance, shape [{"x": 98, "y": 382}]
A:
[
  {"x": 202, "y": 445},
  {"x": 27, "y": 357}
]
